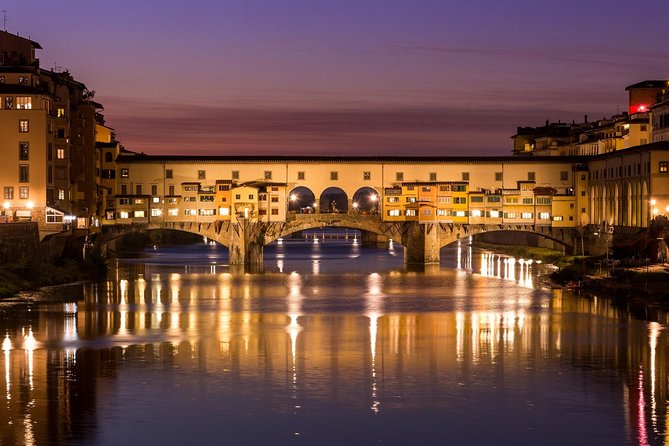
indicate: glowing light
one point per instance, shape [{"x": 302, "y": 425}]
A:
[
  {"x": 6, "y": 205},
  {"x": 355, "y": 205},
  {"x": 30, "y": 205},
  {"x": 653, "y": 201},
  {"x": 374, "y": 198},
  {"x": 293, "y": 197}
]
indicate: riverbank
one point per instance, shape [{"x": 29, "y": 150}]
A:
[
  {"x": 553, "y": 257},
  {"x": 39, "y": 274}
]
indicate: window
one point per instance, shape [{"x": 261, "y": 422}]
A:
[
  {"x": 493, "y": 214},
  {"x": 544, "y": 216},
  {"x": 262, "y": 211},
  {"x": 459, "y": 200},
  {"x": 274, "y": 199},
  {"x": 476, "y": 213},
  {"x": 334, "y": 176},
  {"x": 124, "y": 189},
  {"x": 268, "y": 174},
  {"x": 444, "y": 188},
  {"x": 60, "y": 112},
  {"x": 189, "y": 199},
  {"x": 275, "y": 211},
  {"x": 526, "y": 215},
  {"x": 108, "y": 157},
  {"x": 399, "y": 176},
  {"x": 2, "y": 79},
  {"x": 393, "y": 199},
  {"x": 444, "y": 199},
  {"x": 511, "y": 200},
  {"x": 23, "y": 192},
  {"x": 24, "y": 103},
  {"x": 499, "y": 176},
  {"x": 564, "y": 176},
  {"x": 9, "y": 102},
  {"x": 494, "y": 199},
  {"x": 139, "y": 214},
  {"x": 125, "y": 173},
  {"x": 543, "y": 200},
  {"x": 300, "y": 175},
  {"x": 411, "y": 199},
  {"x": 433, "y": 176},
  {"x": 154, "y": 189},
  {"x": 223, "y": 211},
  {"x": 250, "y": 196},
  {"x": 156, "y": 212},
  {"x": 169, "y": 174},
  {"x": 206, "y": 198},
  {"x": 23, "y": 173},
  {"x": 61, "y": 194},
  {"x": 427, "y": 212},
  {"x": 23, "y": 79},
  {"x": 123, "y": 201},
  {"x": 60, "y": 154},
  {"x": 235, "y": 174},
  {"x": 190, "y": 212},
  {"x": 53, "y": 216},
  {"x": 476, "y": 199},
  {"x": 664, "y": 166},
  {"x": 9, "y": 193},
  {"x": 557, "y": 218},
  {"x": 201, "y": 174},
  {"x": 509, "y": 215},
  {"x": 531, "y": 176},
  {"x": 426, "y": 189},
  {"x": 410, "y": 213},
  {"x": 394, "y": 213},
  {"x": 367, "y": 176},
  {"x": 155, "y": 200},
  {"x": 60, "y": 133},
  {"x": 528, "y": 200},
  {"x": 24, "y": 126},
  {"x": 124, "y": 214},
  {"x": 170, "y": 188},
  {"x": 441, "y": 212},
  {"x": 138, "y": 189},
  {"x": 582, "y": 193},
  {"x": 207, "y": 212},
  {"x": 583, "y": 176},
  {"x": 238, "y": 196},
  {"x": 465, "y": 176},
  {"x": 23, "y": 150}
]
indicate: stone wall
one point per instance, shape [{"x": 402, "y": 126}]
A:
[{"x": 19, "y": 243}]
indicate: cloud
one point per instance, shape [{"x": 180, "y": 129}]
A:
[{"x": 160, "y": 128}]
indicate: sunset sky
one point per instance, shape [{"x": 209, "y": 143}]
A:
[{"x": 362, "y": 77}]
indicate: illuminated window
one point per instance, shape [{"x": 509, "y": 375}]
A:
[
  {"x": 557, "y": 218},
  {"x": 393, "y": 199},
  {"x": 441, "y": 212},
  {"x": 173, "y": 212},
  {"x": 207, "y": 212},
  {"x": 544, "y": 215},
  {"x": 476, "y": 213},
  {"x": 60, "y": 154},
  {"x": 509, "y": 215},
  {"x": 494, "y": 214},
  {"x": 156, "y": 212},
  {"x": 125, "y": 173},
  {"x": 24, "y": 103},
  {"x": 60, "y": 112},
  {"x": 9, "y": 193},
  {"x": 24, "y": 126},
  {"x": 9, "y": 102},
  {"x": 61, "y": 194},
  {"x": 224, "y": 211},
  {"x": 23, "y": 192},
  {"x": 526, "y": 215},
  {"x": 124, "y": 214},
  {"x": 394, "y": 213},
  {"x": 23, "y": 79},
  {"x": 138, "y": 201},
  {"x": 410, "y": 213},
  {"x": 139, "y": 214},
  {"x": 461, "y": 214},
  {"x": 664, "y": 166}
]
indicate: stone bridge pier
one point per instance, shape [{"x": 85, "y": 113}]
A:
[{"x": 421, "y": 243}]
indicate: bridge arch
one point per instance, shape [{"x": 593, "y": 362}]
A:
[
  {"x": 301, "y": 200},
  {"x": 366, "y": 200},
  {"x": 333, "y": 200},
  {"x": 563, "y": 237}
]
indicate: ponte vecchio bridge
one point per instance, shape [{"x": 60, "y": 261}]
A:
[{"x": 424, "y": 203}]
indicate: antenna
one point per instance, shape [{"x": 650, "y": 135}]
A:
[{"x": 4, "y": 19}]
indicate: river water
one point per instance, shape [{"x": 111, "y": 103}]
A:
[{"x": 333, "y": 344}]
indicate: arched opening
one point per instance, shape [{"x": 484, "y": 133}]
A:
[
  {"x": 301, "y": 200},
  {"x": 333, "y": 201},
  {"x": 645, "y": 205},
  {"x": 366, "y": 201}
]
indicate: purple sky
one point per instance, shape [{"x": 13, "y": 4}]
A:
[{"x": 344, "y": 77}]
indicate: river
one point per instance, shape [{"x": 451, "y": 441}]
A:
[{"x": 333, "y": 344}]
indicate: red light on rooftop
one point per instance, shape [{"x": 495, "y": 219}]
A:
[{"x": 640, "y": 108}]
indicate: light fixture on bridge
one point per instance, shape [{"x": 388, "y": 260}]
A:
[
  {"x": 374, "y": 198},
  {"x": 6, "y": 205},
  {"x": 293, "y": 197},
  {"x": 30, "y": 205},
  {"x": 355, "y": 205}
]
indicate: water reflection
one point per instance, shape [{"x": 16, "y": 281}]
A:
[{"x": 444, "y": 347}]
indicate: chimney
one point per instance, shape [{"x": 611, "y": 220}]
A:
[{"x": 585, "y": 119}]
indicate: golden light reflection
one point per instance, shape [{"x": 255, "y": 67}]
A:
[
  {"x": 653, "y": 335},
  {"x": 6, "y": 348},
  {"x": 374, "y": 307}
]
